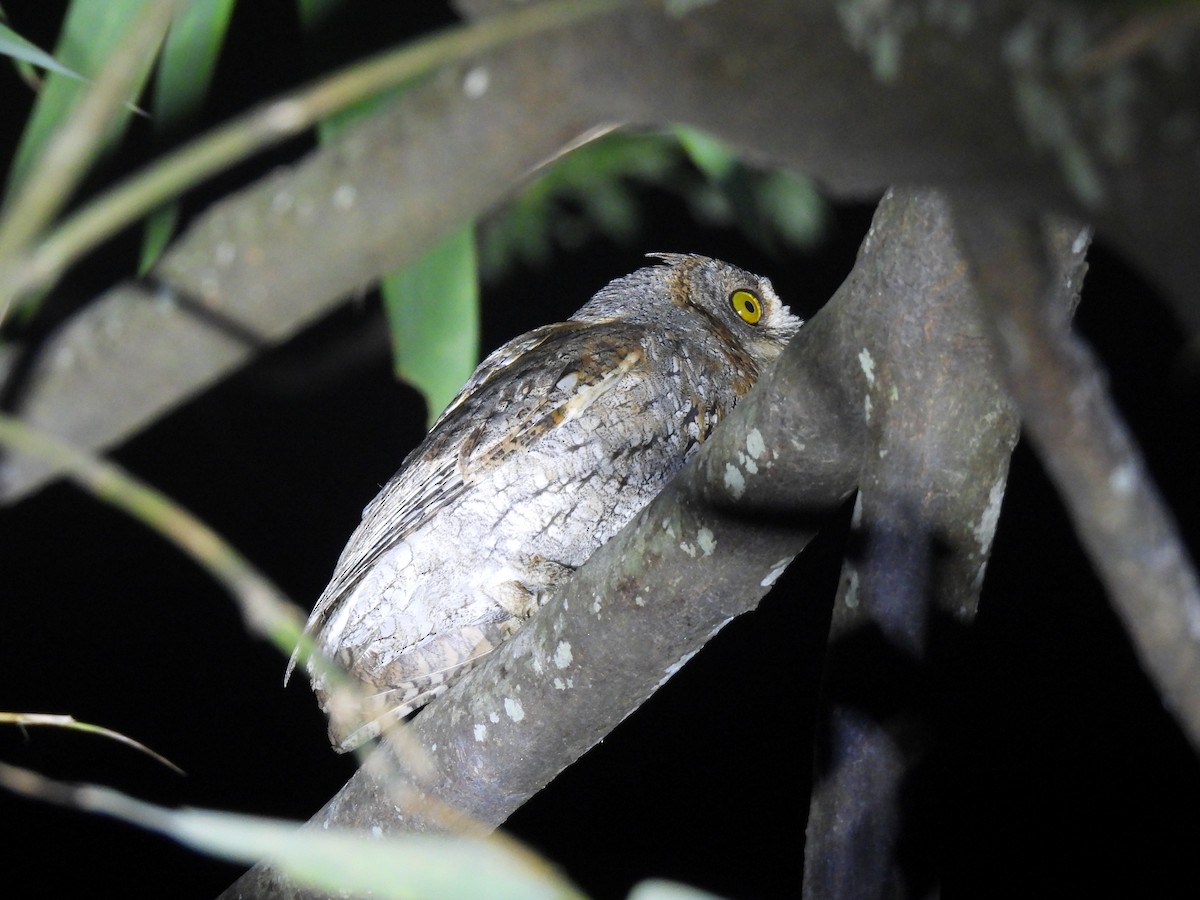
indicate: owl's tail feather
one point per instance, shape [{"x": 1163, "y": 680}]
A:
[{"x": 394, "y": 703}]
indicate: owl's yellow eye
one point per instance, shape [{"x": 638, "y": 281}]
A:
[{"x": 747, "y": 305}]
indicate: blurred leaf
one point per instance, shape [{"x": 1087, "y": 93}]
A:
[
  {"x": 189, "y": 57},
  {"x": 184, "y": 73},
  {"x": 594, "y": 189},
  {"x": 591, "y": 189},
  {"x": 707, "y": 153},
  {"x": 160, "y": 227},
  {"x": 411, "y": 867},
  {"x": 12, "y": 44},
  {"x": 654, "y": 889},
  {"x": 793, "y": 206},
  {"x": 432, "y": 307},
  {"x": 90, "y": 33},
  {"x": 314, "y": 12},
  {"x": 771, "y": 207}
]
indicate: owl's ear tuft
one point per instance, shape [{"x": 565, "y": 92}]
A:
[{"x": 674, "y": 259}]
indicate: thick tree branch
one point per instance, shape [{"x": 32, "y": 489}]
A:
[
  {"x": 1095, "y": 464},
  {"x": 942, "y": 429},
  {"x": 1038, "y": 104}
]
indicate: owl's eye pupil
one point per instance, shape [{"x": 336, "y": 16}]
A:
[{"x": 747, "y": 305}]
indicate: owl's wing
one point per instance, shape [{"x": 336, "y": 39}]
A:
[{"x": 517, "y": 396}]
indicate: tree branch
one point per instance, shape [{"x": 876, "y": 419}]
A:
[
  {"x": 1035, "y": 104},
  {"x": 942, "y": 430},
  {"x": 1120, "y": 519}
]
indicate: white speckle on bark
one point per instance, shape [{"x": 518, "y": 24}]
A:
[
  {"x": 282, "y": 203},
  {"x": 688, "y": 549},
  {"x": 776, "y": 571},
  {"x": 494, "y": 718},
  {"x": 513, "y": 708},
  {"x": 344, "y": 196},
  {"x": 1123, "y": 479},
  {"x": 675, "y": 667},
  {"x": 851, "y": 597},
  {"x": 706, "y": 540},
  {"x": 596, "y": 604},
  {"x": 476, "y": 82},
  {"x": 867, "y": 407},
  {"x": 559, "y": 684},
  {"x": 747, "y": 463},
  {"x": 639, "y": 600},
  {"x": 976, "y": 585},
  {"x": 867, "y": 363},
  {"x": 562, "y": 655},
  {"x": 755, "y": 445},
  {"x": 735, "y": 481},
  {"x": 985, "y": 530},
  {"x": 306, "y": 210},
  {"x": 480, "y": 732}
]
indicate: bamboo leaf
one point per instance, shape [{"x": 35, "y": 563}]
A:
[
  {"x": 409, "y": 867},
  {"x": 12, "y": 44},
  {"x": 184, "y": 74},
  {"x": 90, "y": 34},
  {"x": 433, "y": 315}
]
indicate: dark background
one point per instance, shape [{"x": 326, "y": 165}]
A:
[{"x": 1062, "y": 774}]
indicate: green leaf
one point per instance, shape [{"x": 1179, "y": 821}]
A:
[
  {"x": 707, "y": 153},
  {"x": 314, "y": 12},
  {"x": 185, "y": 71},
  {"x": 412, "y": 867},
  {"x": 12, "y": 44},
  {"x": 432, "y": 307},
  {"x": 188, "y": 59},
  {"x": 793, "y": 207},
  {"x": 90, "y": 33},
  {"x": 338, "y": 862}
]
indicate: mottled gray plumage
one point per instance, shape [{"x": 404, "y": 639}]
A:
[{"x": 555, "y": 442}]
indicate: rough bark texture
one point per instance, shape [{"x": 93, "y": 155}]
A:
[
  {"x": 1116, "y": 509},
  {"x": 942, "y": 429},
  {"x": 1040, "y": 105}
]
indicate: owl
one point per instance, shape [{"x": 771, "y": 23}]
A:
[{"x": 557, "y": 440}]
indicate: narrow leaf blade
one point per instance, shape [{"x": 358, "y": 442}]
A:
[{"x": 433, "y": 315}]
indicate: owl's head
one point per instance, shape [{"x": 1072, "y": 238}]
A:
[{"x": 692, "y": 291}]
